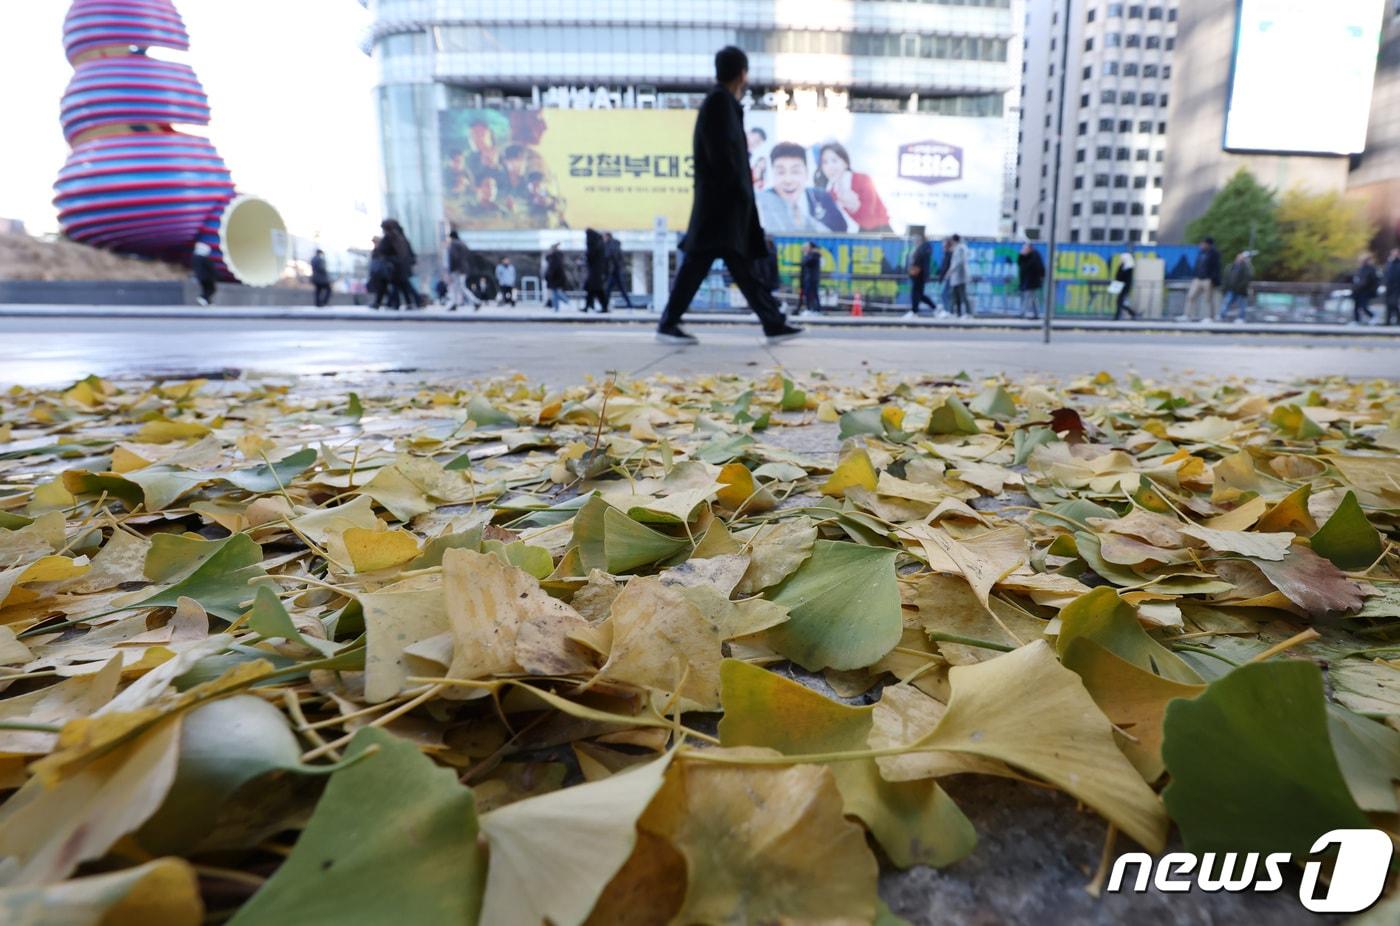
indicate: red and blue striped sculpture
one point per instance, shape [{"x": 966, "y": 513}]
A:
[{"x": 132, "y": 182}]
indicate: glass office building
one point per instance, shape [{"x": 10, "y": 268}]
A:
[{"x": 492, "y": 62}]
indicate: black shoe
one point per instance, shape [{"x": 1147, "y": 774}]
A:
[
  {"x": 672, "y": 334},
  {"x": 785, "y": 333}
]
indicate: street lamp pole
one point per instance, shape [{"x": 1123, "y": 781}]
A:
[{"x": 1051, "y": 296}]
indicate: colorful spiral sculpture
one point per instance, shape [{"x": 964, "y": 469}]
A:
[{"x": 132, "y": 183}]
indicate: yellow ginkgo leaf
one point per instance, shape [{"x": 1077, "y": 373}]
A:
[
  {"x": 371, "y": 550},
  {"x": 854, "y": 471}
]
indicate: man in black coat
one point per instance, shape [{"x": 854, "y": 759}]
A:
[
  {"x": 612, "y": 248},
  {"x": 723, "y": 220},
  {"x": 459, "y": 266},
  {"x": 1392, "y": 288},
  {"x": 920, "y": 267},
  {"x": 1205, "y": 282},
  {"x": 205, "y": 273},
  {"x": 1030, "y": 269},
  {"x": 809, "y": 292},
  {"x": 320, "y": 278},
  {"x": 595, "y": 259}
]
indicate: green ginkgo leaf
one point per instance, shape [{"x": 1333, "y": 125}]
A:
[
  {"x": 843, "y": 606},
  {"x": 1347, "y": 538}
]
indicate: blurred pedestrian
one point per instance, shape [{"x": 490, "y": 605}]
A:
[
  {"x": 459, "y": 265},
  {"x": 1238, "y": 276},
  {"x": 556, "y": 276},
  {"x": 320, "y": 278},
  {"x": 1030, "y": 271},
  {"x": 723, "y": 218},
  {"x": 205, "y": 273},
  {"x": 612, "y": 249},
  {"x": 1392, "y": 288},
  {"x": 809, "y": 291},
  {"x": 765, "y": 269},
  {"x": 380, "y": 277},
  {"x": 505, "y": 280},
  {"x": 945, "y": 289},
  {"x": 1205, "y": 282},
  {"x": 1122, "y": 286},
  {"x": 401, "y": 260},
  {"x": 595, "y": 280},
  {"x": 1365, "y": 283},
  {"x": 920, "y": 268},
  {"x": 958, "y": 277}
]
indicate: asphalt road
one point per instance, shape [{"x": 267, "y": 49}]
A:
[{"x": 37, "y": 351}]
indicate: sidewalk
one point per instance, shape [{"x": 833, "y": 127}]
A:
[{"x": 541, "y": 314}]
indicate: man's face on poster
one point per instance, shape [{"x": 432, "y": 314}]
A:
[
  {"x": 515, "y": 168},
  {"x": 481, "y": 137},
  {"x": 789, "y": 176},
  {"x": 486, "y": 190},
  {"x": 755, "y": 139}
]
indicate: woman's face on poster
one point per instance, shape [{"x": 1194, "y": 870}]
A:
[
  {"x": 832, "y": 165},
  {"x": 789, "y": 176}
]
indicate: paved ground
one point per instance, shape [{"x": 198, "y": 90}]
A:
[{"x": 50, "y": 350}]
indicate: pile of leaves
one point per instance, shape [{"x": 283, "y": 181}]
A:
[{"x": 671, "y": 651}]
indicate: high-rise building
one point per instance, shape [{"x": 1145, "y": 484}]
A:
[
  {"x": 507, "y": 117},
  {"x": 1116, "y": 63},
  {"x": 1375, "y": 173}
]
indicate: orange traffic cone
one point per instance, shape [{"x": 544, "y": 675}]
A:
[{"x": 856, "y": 309}]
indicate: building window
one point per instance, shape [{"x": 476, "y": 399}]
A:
[
  {"x": 1113, "y": 40},
  {"x": 1135, "y": 12},
  {"x": 1099, "y": 207},
  {"x": 1154, "y": 12},
  {"x": 1128, "y": 97},
  {"x": 1103, "y": 153},
  {"x": 1093, "y": 14},
  {"x": 1074, "y": 235},
  {"x": 1156, "y": 184},
  {"x": 1145, "y": 126},
  {"x": 1123, "y": 154},
  {"x": 1125, "y": 125},
  {"x": 1115, "y": 10},
  {"x": 1164, "y": 100},
  {"x": 1139, "y": 183},
  {"x": 1079, "y": 183},
  {"x": 1120, "y": 208},
  {"x": 1079, "y": 156},
  {"x": 1136, "y": 209},
  {"x": 1049, "y": 95},
  {"x": 1089, "y": 43},
  {"x": 1089, "y": 72},
  {"x": 1135, "y": 235},
  {"x": 1169, "y": 44},
  {"x": 1141, "y": 155},
  {"x": 1105, "y": 125},
  {"x": 1134, "y": 41},
  {"x": 1130, "y": 70},
  {"x": 1149, "y": 70},
  {"x": 1149, "y": 99},
  {"x": 1156, "y": 210},
  {"x": 1084, "y": 101},
  {"x": 1096, "y": 234},
  {"x": 1166, "y": 71},
  {"x": 1171, "y": 16},
  {"x": 1115, "y": 234},
  {"x": 1075, "y": 209},
  {"x": 1083, "y": 128},
  {"x": 1110, "y": 68},
  {"x": 1044, "y": 171},
  {"x": 1047, "y": 120},
  {"x": 1153, "y": 42},
  {"x": 1101, "y": 181},
  {"x": 1120, "y": 182},
  {"x": 1161, "y": 128},
  {"x": 1108, "y": 96}
]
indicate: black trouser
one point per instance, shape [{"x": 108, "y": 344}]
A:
[
  {"x": 1361, "y": 305},
  {"x": 1123, "y": 305},
  {"x": 508, "y": 294},
  {"x": 1392, "y": 310},
  {"x": 323, "y": 294},
  {"x": 403, "y": 288},
  {"x": 206, "y": 289},
  {"x": 615, "y": 281},
  {"x": 812, "y": 297},
  {"x": 592, "y": 295},
  {"x": 960, "y": 303},
  {"x": 692, "y": 273},
  {"x": 917, "y": 296}
]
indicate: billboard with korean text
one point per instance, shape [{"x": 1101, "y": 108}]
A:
[{"x": 813, "y": 172}]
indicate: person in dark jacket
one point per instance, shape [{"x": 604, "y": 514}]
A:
[
  {"x": 320, "y": 278},
  {"x": 205, "y": 273},
  {"x": 920, "y": 272},
  {"x": 809, "y": 292},
  {"x": 1392, "y": 288},
  {"x": 1030, "y": 270},
  {"x": 556, "y": 277},
  {"x": 1238, "y": 276},
  {"x": 1365, "y": 283},
  {"x": 723, "y": 219},
  {"x": 380, "y": 283},
  {"x": 595, "y": 280},
  {"x": 459, "y": 265},
  {"x": 945, "y": 263},
  {"x": 1123, "y": 283},
  {"x": 613, "y": 249},
  {"x": 1205, "y": 282},
  {"x": 401, "y": 260}
]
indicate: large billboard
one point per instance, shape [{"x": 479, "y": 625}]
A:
[
  {"x": 1302, "y": 75},
  {"x": 814, "y": 173}
]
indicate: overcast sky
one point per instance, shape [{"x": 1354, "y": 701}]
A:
[{"x": 291, "y": 95}]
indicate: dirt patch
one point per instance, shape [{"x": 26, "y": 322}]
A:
[{"x": 25, "y": 258}]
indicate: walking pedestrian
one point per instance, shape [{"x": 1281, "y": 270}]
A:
[
  {"x": 320, "y": 279},
  {"x": 1392, "y": 288},
  {"x": 1030, "y": 270},
  {"x": 920, "y": 266},
  {"x": 459, "y": 265},
  {"x": 723, "y": 218},
  {"x": 1238, "y": 276},
  {"x": 401, "y": 260},
  {"x": 379, "y": 284},
  {"x": 505, "y": 280},
  {"x": 556, "y": 277},
  {"x": 810, "y": 280},
  {"x": 612, "y": 249},
  {"x": 1365, "y": 283},
  {"x": 945, "y": 289},
  {"x": 957, "y": 277},
  {"x": 205, "y": 273},
  {"x": 1205, "y": 282},
  {"x": 595, "y": 256},
  {"x": 1122, "y": 286}
]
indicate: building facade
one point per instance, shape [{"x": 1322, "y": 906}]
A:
[
  {"x": 951, "y": 57},
  {"x": 1116, "y": 61},
  {"x": 1375, "y": 173}
]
